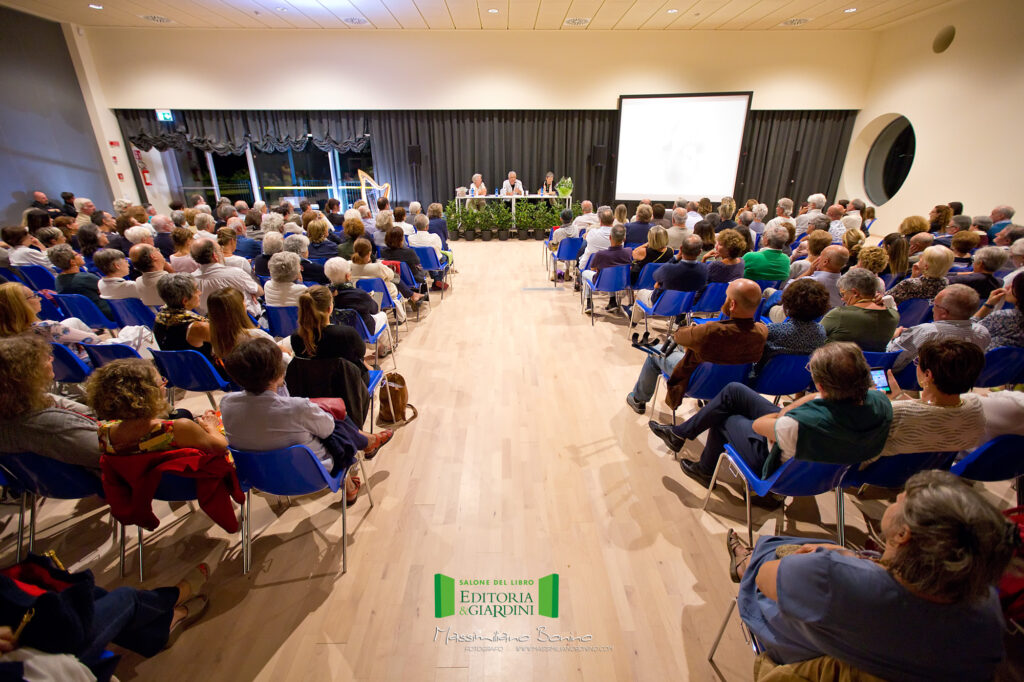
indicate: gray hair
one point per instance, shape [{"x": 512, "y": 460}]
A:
[
  {"x": 776, "y": 237},
  {"x": 225, "y": 211},
  {"x": 960, "y": 301},
  {"x": 385, "y": 220},
  {"x": 850, "y": 222},
  {"x": 992, "y": 258},
  {"x": 962, "y": 222},
  {"x": 241, "y": 206},
  {"x": 204, "y": 209},
  {"x": 691, "y": 247},
  {"x": 352, "y": 214},
  {"x": 415, "y": 207},
  {"x": 1006, "y": 211},
  {"x": 106, "y": 260},
  {"x": 617, "y": 235},
  {"x": 205, "y": 222},
  {"x": 817, "y": 200},
  {"x": 204, "y": 251},
  {"x": 48, "y": 235},
  {"x": 678, "y": 216},
  {"x": 759, "y": 211},
  {"x": 587, "y": 206},
  {"x": 786, "y": 204},
  {"x": 176, "y": 288},
  {"x": 861, "y": 280},
  {"x": 296, "y": 243},
  {"x": 337, "y": 269},
  {"x": 605, "y": 215},
  {"x": 162, "y": 223},
  {"x": 236, "y": 224},
  {"x": 273, "y": 242},
  {"x": 178, "y": 218},
  {"x": 821, "y": 222},
  {"x": 364, "y": 212},
  {"x": 272, "y": 222},
  {"x": 284, "y": 267},
  {"x": 121, "y": 205},
  {"x": 421, "y": 222},
  {"x": 61, "y": 255},
  {"x": 856, "y": 205},
  {"x": 982, "y": 221},
  {"x": 259, "y": 206},
  {"x": 137, "y": 233},
  {"x": 476, "y": 175},
  {"x": 746, "y": 217}
]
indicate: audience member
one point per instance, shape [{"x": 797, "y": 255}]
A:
[
  {"x": 804, "y": 302},
  {"x": 181, "y": 259},
  {"x": 815, "y": 204},
  {"x": 348, "y": 296},
  {"x": 149, "y": 262},
  {"x": 917, "y": 244},
  {"x": 1008, "y": 235},
  {"x": 727, "y": 263},
  {"x": 616, "y": 254},
  {"x": 19, "y": 311},
  {"x": 587, "y": 218},
  {"x": 213, "y": 275},
  {"x": 939, "y": 218},
  {"x": 826, "y": 269},
  {"x": 50, "y": 236},
  {"x": 362, "y": 268},
  {"x": 680, "y": 228},
  {"x": 912, "y": 225},
  {"x": 177, "y": 327},
  {"x": 284, "y": 287},
  {"x": 928, "y": 276},
  {"x": 861, "y": 320},
  {"x": 654, "y": 251},
  {"x": 438, "y": 225},
  {"x": 400, "y": 222},
  {"x": 808, "y": 251},
  {"x": 783, "y": 212},
  {"x": 1002, "y": 413},
  {"x": 636, "y": 232},
  {"x": 770, "y": 263},
  {"x": 227, "y": 241},
  {"x": 73, "y": 280},
  {"x": 897, "y": 249},
  {"x": 1006, "y": 326},
  {"x": 686, "y": 274},
  {"x": 598, "y": 239},
  {"x": 758, "y": 212},
  {"x": 24, "y": 249},
  {"x": 1001, "y": 216},
  {"x": 396, "y": 250},
  {"x": 708, "y": 238},
  {"x": 84, "y": 208},
  {"x": 963, "y": 244},
  {"x": 299, "y": 245},
  {"x": 726, "y": 210},
  {"x": 317, "y": 337},
  {"x": 951, "y": 311},
  {"x": 230, "y": 323},
  {"x": 987, "y": 261},
  {"x": 114, "y": 267}
]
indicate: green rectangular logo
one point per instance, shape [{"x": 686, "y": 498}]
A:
[
  {"x": 547, "y": 602},
  {"x": 444, "y": 595}
]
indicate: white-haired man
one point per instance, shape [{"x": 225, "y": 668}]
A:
[
  {"x": 815, "y": 205},
  {"x": 588, "y": 218},
  {"x": 783, "y": 212},
  {"x": 512, "y": 185}
]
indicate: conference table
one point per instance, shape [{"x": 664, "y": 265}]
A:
[{"x": 513, "y": 198}]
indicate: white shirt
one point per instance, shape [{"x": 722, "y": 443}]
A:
[
  {"x": 268, "y": 421},
  {"x": 24, "y": 255},
  {"x": 117, "y": 288},
  {"x": 586, "y": 220},
  {"x": 1004, "y": 413},
  {"x": 216, "y": 276},
  {"x": 406, "y": 228},
  {"x": 778, "y": 220},
  {"x": 507, "y": 188},
  {"x": 424, "y": 238},
  {"x": 282, "y": 295},
  {"x": 597, "y": 240},
  {"x": 802, "y": 220},
  {"x": 692, "y": 218},
  {"x": 676, "y": 235},
  {"x": 477, "y": 190},
  {"x": 145, "y": 286}
]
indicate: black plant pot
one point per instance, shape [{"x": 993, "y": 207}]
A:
[
  {"x": 503, "y": 235},
  {"x": 485, "y": 235},
  {"x": 470, "y": 235},
  {"x": 453, "y": 235},
  {"x": 524, "y": 234},
  {"x": 540, "y": 235}
]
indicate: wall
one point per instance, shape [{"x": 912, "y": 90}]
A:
[
  {"x": 964, "y": 104},
  {"x": 200, "y": 69},
  {"x": 46, "y": 140}
]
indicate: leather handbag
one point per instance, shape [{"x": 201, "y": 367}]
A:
[{"x": 395, "y": 402}]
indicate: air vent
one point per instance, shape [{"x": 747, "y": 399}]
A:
[
  {"x": 355, "y": 21},
  {"x": 795, "y": 22},
  {"x": 577, "y": 21},
  {"x": 156, "y": 19}
]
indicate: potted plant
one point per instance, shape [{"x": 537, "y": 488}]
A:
[
  {"x": 501, "y": 218},
  {"x": 453, "y": 216},
  {"x": 485, "y": 224},
  {"x": 547, "y": 218},
  {"x": 564, "y": 187},
  {"x": 470, "y": 223},
  {"x": 525, "y": 213}
]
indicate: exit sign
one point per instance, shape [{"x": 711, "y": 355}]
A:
[{"x": 164, "y": 115}]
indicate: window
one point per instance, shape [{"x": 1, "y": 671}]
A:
[{"x": 889, "y": 161}]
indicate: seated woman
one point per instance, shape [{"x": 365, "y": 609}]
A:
[
  {"x": 924, "y": 610},
  {"x": 928, "y": 276},
  {"x": 853, "y": 240},
  {"x": 316, "y": 337},
  {"x": 230, "y": 323},
  {"x": 362, "y": 268},
  {"x": 354, "y": 230},
  {"x": 177, "y": 327},
  {"x": 72, "y": 279},
  {"x": 948, "y": 416},
  {"x": 19, "y": 310},
  {"x": 181, "y": 259},
  {"x": 874, "y": 259},
  {"x": 348, "y": 295},
  {"x": 654, "y": 251},
  {"x": 284, "y": 289},
  {"x": 843, "y": 423},
  {"x": 728, "y": 257},
  {"x": 803, "y": 301},
  {"x": 1006, "y": 326},
  {"x": 258, "y": 367},
  {"x": 706, "y": 231},
  {"x": 32, "y": 420},
  {"x": 964, "y": 242},
  {"x": 861, "y": 320},
  {"x": 320, "y": 245},
  {"x": 90, "y": 240},
  {"x": 898, "y": 250},
  {"x": 395, "y": 249},
  {"x": 273, "y": 242}
]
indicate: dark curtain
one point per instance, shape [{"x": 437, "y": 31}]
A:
[
  {"x": 455, "y": 144},
  {"x": 277, "y": 131},
  {"x": 346, "y": 131},
  {"x": 792, "y": 154},
  {"x": 145, "y": 132}
]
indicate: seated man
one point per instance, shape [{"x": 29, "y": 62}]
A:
[
  {"x": 512, "y": 185},
  {"x": 771, "y": 262},
  {"x": 958, "y": 223},
  {"x": 951, "y": 312},
  {"x": 826, "y": 270},
  {"x": 114, "y": 267},
  {"x": 213, "y": 275},
  {"x": 736, "y": 340},
  {"x": 679, "y": 228},
  {"x": 845, "y": 422},
  {"x": 244, "y": 247},
  {"x": 918, "y": 243},
  {"x": 687, "y": 274},
  {"x": 808, "y": 251},
  {"x": 598, "y": 238},
  {"x": 149, "y": 262},
  {"x": 73, "y": 279},
  {"x": 636, "y": 232},
  {"x": 587, "y": 219},
  {"x": 987, "y": 261},
  {"x": 614, "y": 255}
]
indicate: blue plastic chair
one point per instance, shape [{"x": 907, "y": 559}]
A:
[
  {"x": 793, "y": 478},
  {"x": 783, "y": 375},
  {"x": 13, "y": 275},
  {"x": 646, "y": 278},
  {"x": 282, "y": 320},
  {"x": 76, "y": 305},
  {"x": 707, "y": 381},
  {"x": 568, "y": 250},
  {"x": 68, "y": 368},
  {"x": 40, "y": 277},
  {"x": 893, "y": 471},
  {"x": 757, "y": 241},
  {"x": 191, "y": 371},
  {"x": 768, "y": 283},
  {"x": 263, "y": 279},
  {"x": 375, "y": 285},
  {"x": 103, "y": 353},
  {"x": 1003, "y": 365},
  {"x": 355, "y": 320},
  {"x": 914, "y": 311},
  {"x": 609, "y": 280},
  {"x": 670, "y": 304},
  {"x": 36, "y": 476},
  {"x": 409, "y": 280},
  {"x": 997, "y": 460},
  {"x": 881, "y": 360},
  {"x": 891, "y": 280},
  {"x": 429, "y": 261},
  {"x": 290, "y": 472},
  {"x": 132, "y": 311},
  {"x": 711, "y": 299}
]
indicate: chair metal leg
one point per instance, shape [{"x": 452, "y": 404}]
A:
[
  {"x": 750, "y": 522},
  {"x": 21, "y": 523},
  {"x": 141, "y": 568},
  {"x": 840, "y": 516},
  {"x": 247, "y": 534},
  {"x": 369, "y": 489},
  {"x": 120, "y": 562},
  {"x": 714, "y": 480},
  {"x": 209, "y": 395},
  {"x": 344, "y": 538},
  {"x": 721, "y": 630},
  {"x": 394, "y": 348},
  {"x": 31, "y": 522}
]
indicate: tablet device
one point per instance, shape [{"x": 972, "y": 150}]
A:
[{"x": 880, "y": 380}]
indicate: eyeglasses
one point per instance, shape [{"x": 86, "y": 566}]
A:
[
  {"x": 917, "y": 362},
  {"x": 31, "y": 297}
]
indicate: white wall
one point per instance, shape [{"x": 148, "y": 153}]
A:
[
  {"x": 965, "y": 105},
  {"x": 200, "y": 69}
]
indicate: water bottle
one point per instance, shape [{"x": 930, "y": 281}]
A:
[{"x": 472, "y": 191}]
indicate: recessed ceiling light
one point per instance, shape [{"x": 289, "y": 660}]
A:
[
  {"x": 355, "y": 21},
  {"x": 281, "y": 9},
  {"x": 577, "y": 21},
  {"x": 492, "y": 11},
  {"x": 673, "y": 11},
  {"x": 795, "y": 22},
  {"x": 95, "y": 6},
  {"x": 850, "y": 10},
  {"x": 156, "y": 18}
]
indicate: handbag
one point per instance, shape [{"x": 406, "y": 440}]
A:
[
  {"x": 333, "y": 406},
  {"x": 393, "y": 405}
]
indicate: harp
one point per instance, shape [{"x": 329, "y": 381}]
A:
[{"x": 371, "y": 191}]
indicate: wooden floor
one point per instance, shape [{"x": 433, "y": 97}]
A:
[{"x": 525, "y": 461}]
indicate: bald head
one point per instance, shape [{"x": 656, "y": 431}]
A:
[
  {"x": 741, "y": 299},
  {"x": 921, "y": 241},
  {"x": 834, "y": 258},
  {"x": 955, "y": 302},
  {"x": 835, "y": 212},
  {"x": 161, "y": 223}
]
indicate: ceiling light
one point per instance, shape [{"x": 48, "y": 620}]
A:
[
  {"x": 355, "y": 21},
  {"x": 156, "y": 18},
  {"x": 673, "y": 11},
  {"x": 794, "y": 22},
  {"x": 577, "y": 21},
  {"x": 492, "y": 11},
  {"x": 95, "y": 6},
  {"x": 281, "y": 9},
  {"x": 849, "y": 10}
]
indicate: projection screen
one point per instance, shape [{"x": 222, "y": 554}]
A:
[{"x": 674, "y": 146}]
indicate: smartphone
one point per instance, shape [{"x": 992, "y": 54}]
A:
[{"x": 880, "y": 379}]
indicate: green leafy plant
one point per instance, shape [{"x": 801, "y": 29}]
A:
[
  {"x": 499, "y": 215},
  {"x": 525, "y": 216},
  {"x": 564, "y": 186},
  {"x": 453, "y": 213}
]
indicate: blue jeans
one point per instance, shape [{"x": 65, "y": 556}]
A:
[
  {"x": 139, "y": 620},
  {"x": 654, "y": 365},
  {"x": 729, "y": 418}
]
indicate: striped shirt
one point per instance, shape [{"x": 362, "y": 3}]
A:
[
  {"x": 910, "y": 340},
  {"x": 920, "y": 427}
]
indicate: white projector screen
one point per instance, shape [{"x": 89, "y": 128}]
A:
[{"x": 679, "y": 145}]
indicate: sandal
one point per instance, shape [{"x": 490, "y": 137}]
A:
[
  {"x": 195, "y": 607},
  {"x": 732, "y": 543},
  {"x": 350, "y": 499},
  {"x": 196, "y": 579},
  {"x": 382, "y": 438}
]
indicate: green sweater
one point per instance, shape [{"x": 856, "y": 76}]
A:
[{"x": 766, "y": 264}]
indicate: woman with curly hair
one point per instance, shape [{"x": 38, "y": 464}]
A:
[
  {"x": 728, "y": 253},
  {"x": 804, "y": 301},
  {"x": 704, "y": 207},
  {"x": 354, "y": 229},
  {"x": 726, "y": 209},
  {"x": 939, "y": 218},
  {"x": 912, "y": 225}
]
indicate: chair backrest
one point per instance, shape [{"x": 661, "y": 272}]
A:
[
  {"x": 428, "y": 257},
  {"x": 49, "y": 477},
  {"x": 68, "y": 367},
  {"x": 612, "y": 279},
  {"x": 76, "y": 305},
  {"x": 960, "y": 268},
  {"x": 757, "y": 241},
  {"x": 633, "y": 245},
  {"x": 783, "y": 375},
  {"x": 802, "y": 478},
  {"x": 40, "y": 277},
  {"x": 288, "y": 471},
  {"x": 646, "y": 278},
  {"x": 375, "y": 285},
  {"x": 893, "y": 471},
  {"x": 708, "y": 379},
  {"x": 880, "y": 360},
  {"x": 768, "y": 283},
  {"x": 914, "y": 311},
  {"x": 997, "y": 460},
  {"x": 1003, "y": 365},
  {"x": 48, "y": 309},
  {"x": 12, "y": 275},
  {"x": 190, "y": 370},
  {"x": 282, "y": 320},
  {"x": 102, "y": 353},
  {"x": 132, "y": 311},
  {"x": 711, "y": 299},
  {"x": 569, "y": 248},
  {"x": 672, "y": 303},
  {"x": 355, "y": 320},
  {"x": 890, "y": 279},
  {"x": 408, "y": 279}
]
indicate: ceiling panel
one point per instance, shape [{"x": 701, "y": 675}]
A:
[
  {"x": 434, "y": 12},
  {"x": 522, "y": 14},
  {"x": 465, "y": 13},
  {"x": 407, "y": 14},
  {"x": 490, "y": 21},
  {"x": 610, "y": 13},
  {"x": 661, "y": 18},
  {"x": 551, "y": 14},
  {"x": 637, "y": 15},
  {"x": 737, "y": 13}
]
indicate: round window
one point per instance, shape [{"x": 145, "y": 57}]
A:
[{"x": 889, "y": 161}]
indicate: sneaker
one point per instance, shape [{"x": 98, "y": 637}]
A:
[
  {"x": 635, "y": 404},
  {"x": 667, "y": 435}
]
